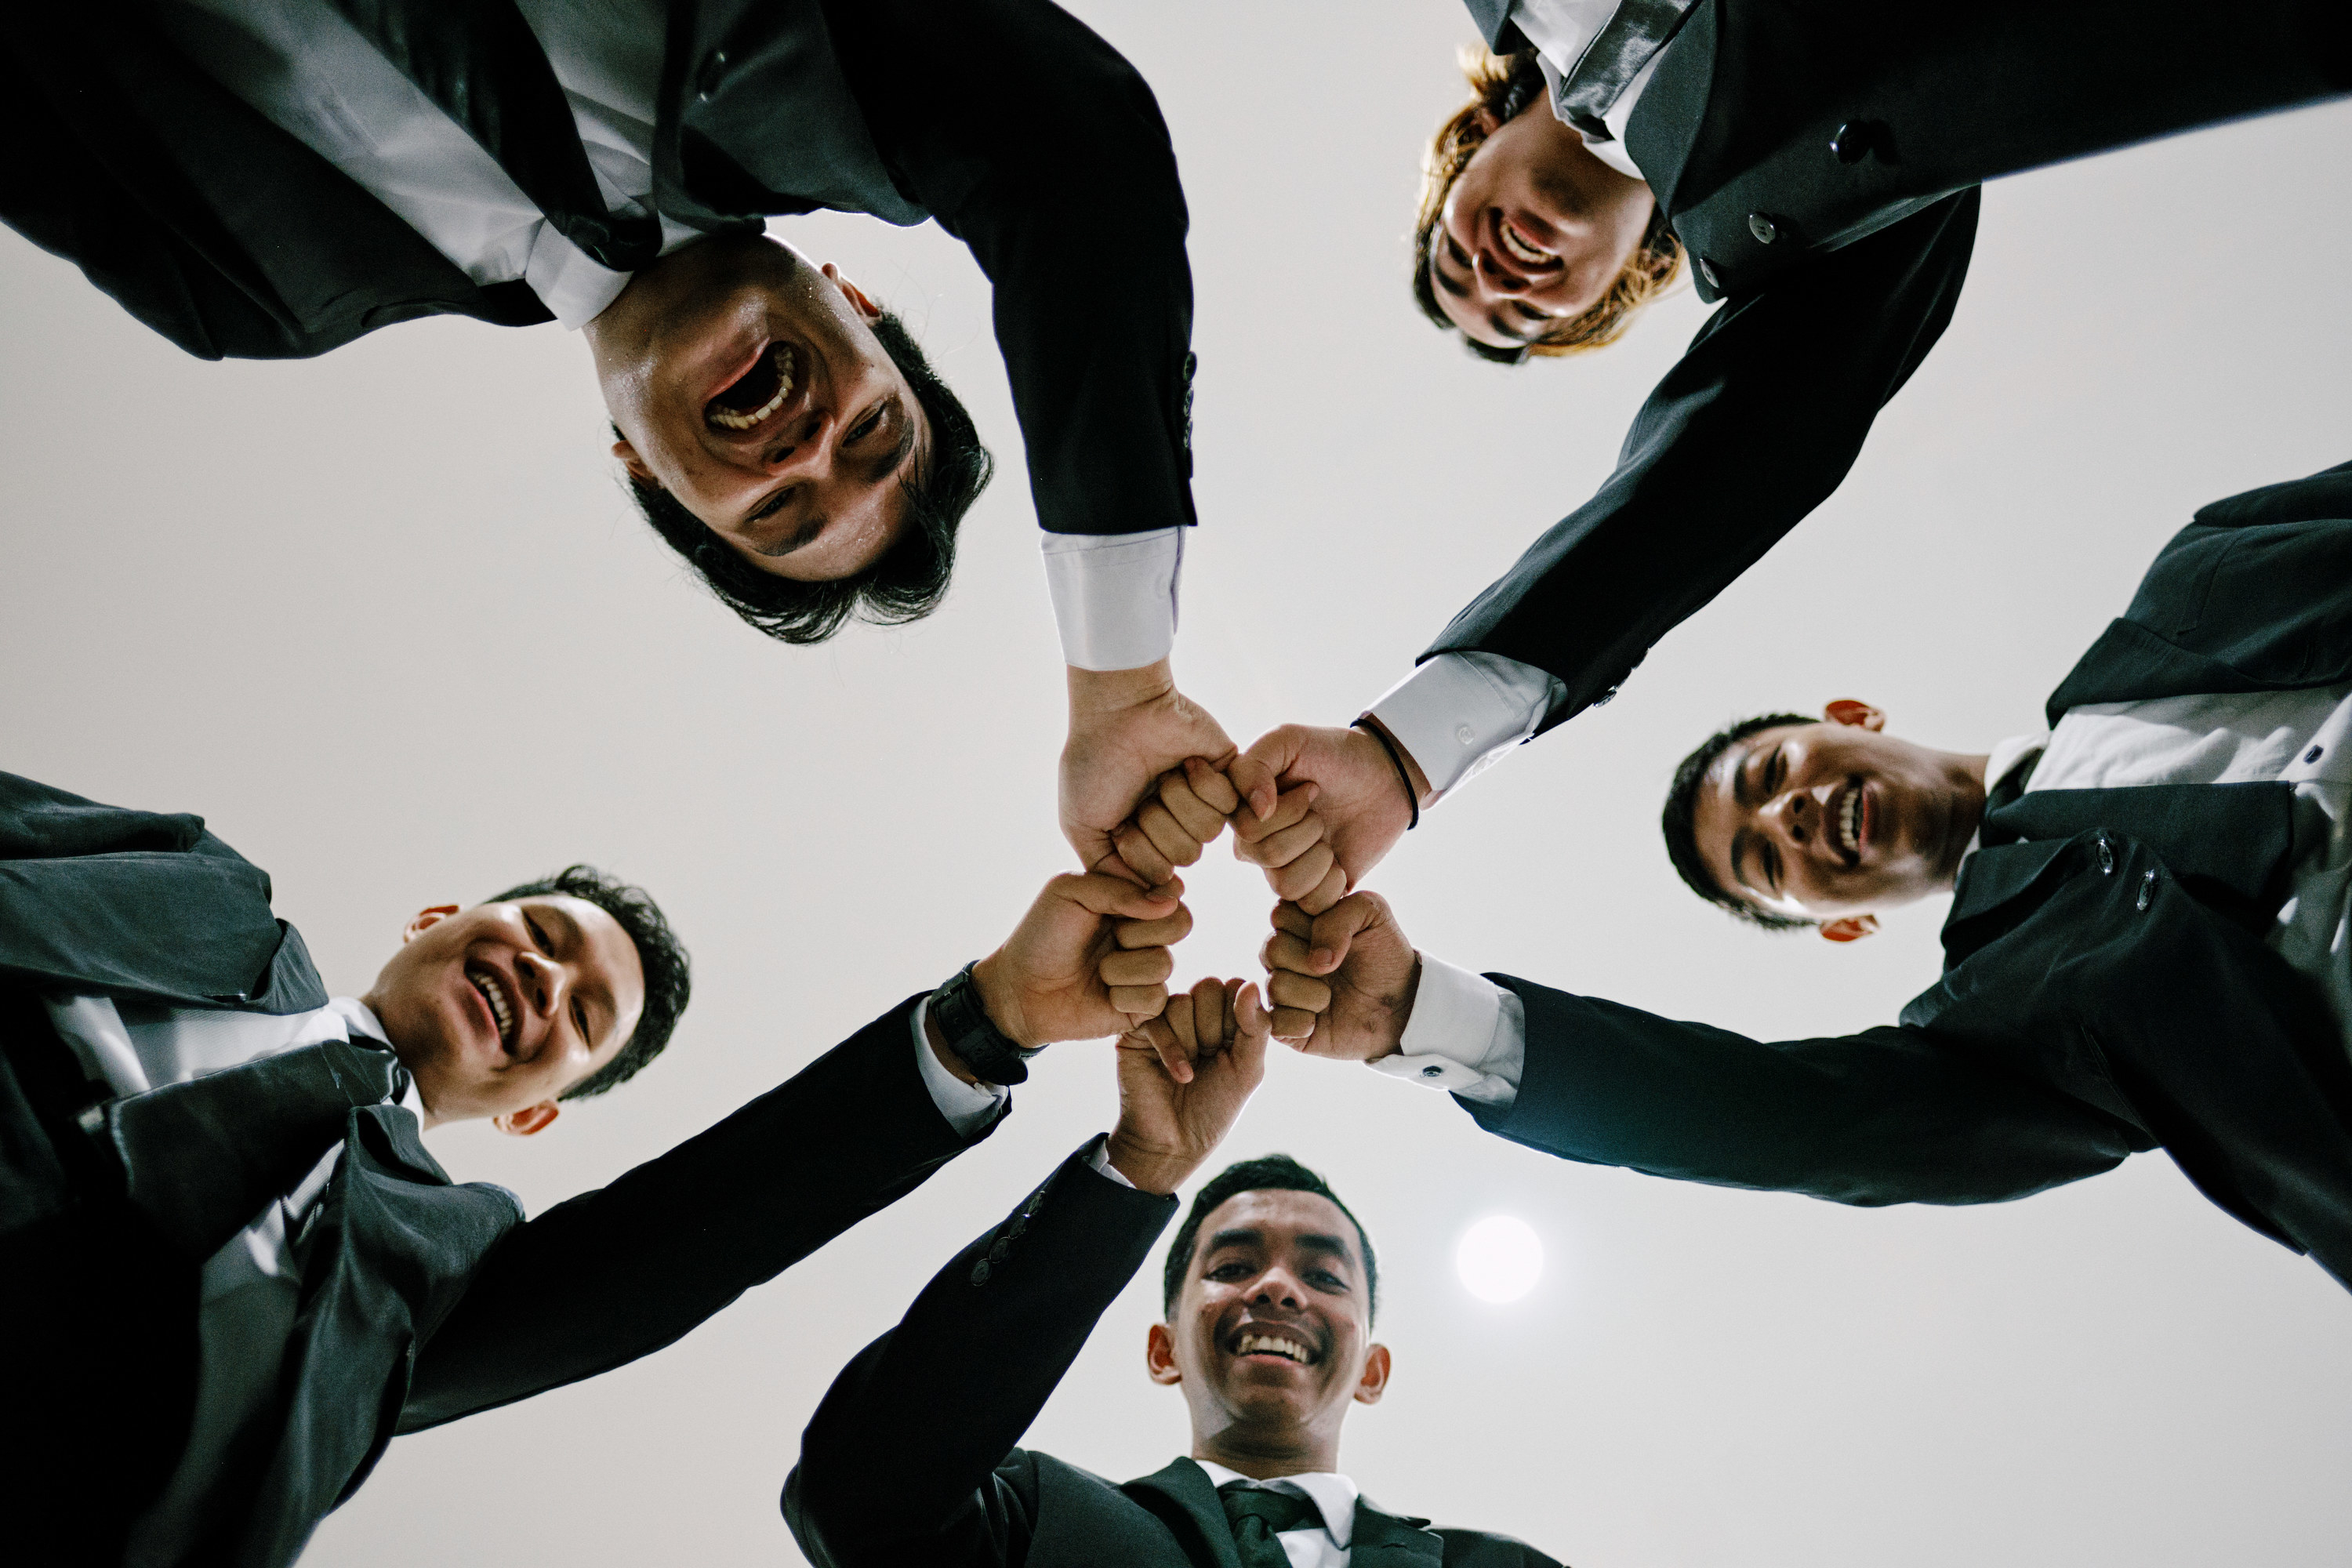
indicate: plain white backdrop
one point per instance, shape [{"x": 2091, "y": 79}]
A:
[{"x": 387, "y": 621}]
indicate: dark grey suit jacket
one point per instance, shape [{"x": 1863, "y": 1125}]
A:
[
  {"x": 1840, "y": 272},
  {"x": 912, "y": 1458},
  {"x": 423, "y": 1300},
  {"x": 2106, "y": 988},
  {"x": 1007, "y": 121}
]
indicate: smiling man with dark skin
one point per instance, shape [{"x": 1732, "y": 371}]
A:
[
  {"x": 1269, "y": 1292},
  {"x": 2151, "y": 906}
]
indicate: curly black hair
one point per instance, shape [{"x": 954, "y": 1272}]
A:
[
  {"x": 1681, "y": 815},
  {"x": 1266, "y": 1173}
]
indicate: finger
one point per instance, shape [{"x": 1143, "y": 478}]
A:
[
  {"x": 1290, "y": 989},
  {"x": 1208, "y": 1006},
  {"x": 1253, "y": 1032},
  {"x": 1280, "y": 848},
  {"x": 1145, "y": 966},
  {"x": 1200, "y": 819},
  {"x": 1335, "y": 930},
  {"x": 1170, "y": 836},
  {"x": 1282, "y": 950},
  {"x": 1166, "y": 932},
  {"x": 1289, "y": 808},
  {"x": 1326, "y": 893},
  {"x": 1304, "y": 875},
  {"x": 1270, "y": 756},
  {"x": 1289, "y": 917},
  {"x": 1109, "y": 865},
  {"x": 1250, "y": 1017},
  {"x": 1101, "y": 892},
  {"x": 1174, "y": 1035},
  {"x": 1140, "y": 854},
  {"x": 1139, "y": 1001},
  {"x": 1291, "y": 1023},
  {"x": 1212, "y": 786}
]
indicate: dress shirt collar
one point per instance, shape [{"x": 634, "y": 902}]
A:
[
  {"x": 1333, "y": 1495},
  {"x": 2018, "y": 751}
]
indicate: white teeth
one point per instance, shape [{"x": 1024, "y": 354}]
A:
[
  {"x": 1272, "y": 1344},
  {"x": 785, "y": 365},
  {"x": 1520, "y": 248},
  {"x": 1850, "y": 821},
  {"x": 501, "y": 1009}
]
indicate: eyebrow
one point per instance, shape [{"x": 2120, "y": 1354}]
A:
[
  {"x": 1494, "y": 321},
  {"x": 875, "y": 472},
  {"x": 1313, "y": 1241},
  {"x": 576, "y": 939}
]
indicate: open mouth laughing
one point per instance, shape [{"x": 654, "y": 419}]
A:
[
  {"x": 1275, "y": 1342},
  {"x": 1851, "y": 819},
  {"x": 494, "y": 995},
  {"x": 754, "y": 396},
  {"x": 1521, "y": 248}
]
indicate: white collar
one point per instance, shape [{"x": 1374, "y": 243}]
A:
[
  {"x": 2000, "y": 762},
  {"x": 359, "y": 1022},
  {"x": 1333, "y": 1495}
]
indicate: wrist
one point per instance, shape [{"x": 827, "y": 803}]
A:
[
  {"x": 1151, "y": 1170},
  {"x": 1000, "y": 998},
  {"x": 1115, "y": 691},
  {"x": 1415, "y": 780},
  {"x": 943, "y": 1051},
  {"x": 1401, "y": 1012}
]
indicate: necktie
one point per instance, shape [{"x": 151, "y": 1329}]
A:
[{"x": 1257, "y": 1515}]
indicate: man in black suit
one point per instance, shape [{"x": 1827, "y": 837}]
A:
[
  {"x": 1820, "y": 160},
  {"x": 267, "y": 179},
  {"x": 1268, "y": 1295},
  {"x": 229, "y": 1271},
  {"x": 2147, "y": 946}
]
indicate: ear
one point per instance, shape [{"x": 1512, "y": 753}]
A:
[
  {"x": 1851, "y": 928},
  {"x": 1375, "y": 1378},
  {"x": 851, "y": 291},
  {"x": 530, "y": 1119},
  {"x": 634, "y": 464},
  {"x": 1860, "y": 715},
  {"x": 1160, "y": 1356},
  {"x": 424, "y": 920},
  {"x": 1487, "y": 120}
]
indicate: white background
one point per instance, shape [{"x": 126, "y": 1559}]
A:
[{"x": 387, "y": 621}]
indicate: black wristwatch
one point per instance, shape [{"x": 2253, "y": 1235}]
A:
[{"x": 969, "y": 1033}]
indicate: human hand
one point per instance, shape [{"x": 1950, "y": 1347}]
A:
[
  {"x": 1185, "y": 812},
  {"x": 1342, "y": 983},
  {"x": 1361, "y": 802},
  {"x": 1184, "y": 1078},
  {"x": 1089, "y": 959},
  {"x": 1127, "y": 728}
]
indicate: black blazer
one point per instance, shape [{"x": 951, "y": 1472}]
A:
[
  {"x": 2106, "y": 991},
  {"x": 1009, "y": 122},
  {"x": 910, "y": 1461},
  {"x": 1738, "y": 132},
  {"x": 425, "y": 1299}
]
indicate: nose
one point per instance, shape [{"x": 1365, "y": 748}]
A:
[
  {"x": 804, "y": 446},
  {"x": 1275, "y": 1287},
  {"x": 543, "y": 983},
  {"x": 1498, "y": 278},
  {"x": 1795, "y": 815}
]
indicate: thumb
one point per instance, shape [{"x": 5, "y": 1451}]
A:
[
  {"x": 1254, "y": 1029},
  {"x": 1334, "y": 931},
  {"x": 1270, "y": 756},
  {"x": 1102, "y": 893}
]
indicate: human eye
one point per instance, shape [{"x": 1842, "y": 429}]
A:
[
  {"x": 538, "y": 933},
  {"x": 1232, "y": 1268},
  {"x": 580, "y": 1019},
  {"x": 1324, "y": 1279},
  {"x": 867, "y": 426},
  {"x": 1776, "y": 771},
  {"x": 773, "y": 505}
]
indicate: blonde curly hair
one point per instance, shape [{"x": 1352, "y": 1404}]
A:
[{"x": 1502, "y": 86}]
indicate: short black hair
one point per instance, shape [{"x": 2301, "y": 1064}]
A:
[
  {"x": 669, "y": 982},
  {"x": 911, "y": 579},
  {"x": 1681, "y": 814},
  {"x": 1266, "y": 1173}
]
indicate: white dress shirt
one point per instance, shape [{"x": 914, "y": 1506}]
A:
[
  {"x": 1561, "y": 31},
  {"x": 1469, "y": 1034},
  {"x": 1457, "y": 714},
  {"x": 1327, "y": 1545}
]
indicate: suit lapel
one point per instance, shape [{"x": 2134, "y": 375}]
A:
[
  {"x": 1393, "y": 1540},
  {"x": 1181, "y": 1497}
]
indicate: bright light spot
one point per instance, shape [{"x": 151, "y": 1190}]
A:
[{"x": 1499, "y": 1258}]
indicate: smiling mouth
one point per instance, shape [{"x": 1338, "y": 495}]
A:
[
  {"x": 1521, "y": 248},
  {"x": 502, "y": 1008},
  {"x": 1849, "y": 824},
  {"x": 1283, "y": 1345},
  {"x": 757, "y": 393}
]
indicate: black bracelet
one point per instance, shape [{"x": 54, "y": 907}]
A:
[
  {"x": 973, "y": 1035},
  {"x": 1403, "y": 777}
]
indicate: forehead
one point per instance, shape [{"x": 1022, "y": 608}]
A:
[
  {"x": 1717, "y": 813},
  {"x": 1281, "y": 1218}
]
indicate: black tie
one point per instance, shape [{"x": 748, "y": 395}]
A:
[
  {"x": 1257, "y": 1515},
  {"x": 479, "y": 61}
]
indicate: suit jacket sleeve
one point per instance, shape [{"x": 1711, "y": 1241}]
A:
[
  {"x": 1891, "y": 1115},
  {"x": 911, "y": 1457},
  {"x": 1755, "y": 427},
  {"x": 1032, "y": 141},
  {"x": 618, "y": 1273}
]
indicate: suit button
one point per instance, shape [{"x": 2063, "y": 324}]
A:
[
  {"x": 979, "y": 1272},
  {"x": 996, "y": 1254},
  {"x": 2146, "y": 892},
  {"x": 2106, "y": 856},
  {"x": 1851, "y": 142},
  {"x": 1463, "y": 733},
  {"x": 1765, "y": 230},
  {"x": 2313, "y": 755},
  {"x": 1707, "y": 270}
]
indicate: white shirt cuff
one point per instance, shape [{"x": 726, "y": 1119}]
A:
[
  {"x": 1468, "y": 1035},
  {"x": 969, "y": 1107},
  {"x": 1459, "y": 712},
  {"x": 1099, "y": 1159},
  {"x": 1114, "y": 596}
]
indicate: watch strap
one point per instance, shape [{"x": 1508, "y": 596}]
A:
[{"x": 973, "y": 1035}]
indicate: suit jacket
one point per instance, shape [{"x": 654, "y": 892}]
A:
[
  {"x": 911, "y": 1459},
  {"x": 2106, "y": 989},
  {"x": 423, "y": 1300},
  {"x": 1743, "y": 131},
  {"x": 1009, "y": 123}
]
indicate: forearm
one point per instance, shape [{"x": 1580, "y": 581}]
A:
[
  {"x": 1754, "y": 428},
  {"x": 618, "y": 1273},
  {"x": 979, "y": 1352}
]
